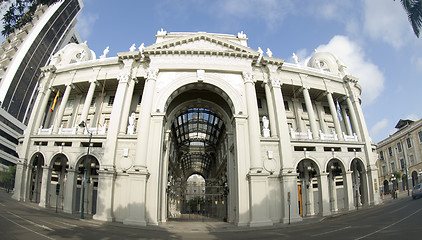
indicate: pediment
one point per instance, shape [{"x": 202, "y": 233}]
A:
[{"x": 200, "y": 42}]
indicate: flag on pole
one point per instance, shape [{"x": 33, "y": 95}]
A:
[
  {"x": 338, "y": 112},
  {"x": 56, "y": 99}
]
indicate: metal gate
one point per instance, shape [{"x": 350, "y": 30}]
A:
[{"x": 208, "y": 205}]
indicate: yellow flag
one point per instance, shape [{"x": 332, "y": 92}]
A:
[{"x": 55, "y": 100}]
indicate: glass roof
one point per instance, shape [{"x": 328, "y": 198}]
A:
[{"x": 197, "y": 131}]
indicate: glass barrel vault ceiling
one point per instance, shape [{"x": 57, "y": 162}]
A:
[{"x": 197, "y": 131}]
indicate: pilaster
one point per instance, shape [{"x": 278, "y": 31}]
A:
[
  {"x": 105, "y": 195},
  {"x": 259, "y": 203},
  {"x": 137, "y": 198},
  {"x": 325, "y": 195},
  {"x": 44, "y": 187},
  {"x": 311, "y": 113},
  {"x": 69, "y": 191}
]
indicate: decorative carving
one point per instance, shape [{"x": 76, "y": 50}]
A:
[
  {"x": 248, "y": 77},
  {"x": 124, "y": 77},
  {"x": 269, "y": 53},
  {"x": 275, "y": 82},
  {"x": 132, "y": 48},
  {"x": 241, "y": 35},
  {"x": 161, "y": 32},
  {"x": 200, "y": 75},
  {"x": 295, "y": 58},
  {"x": 152, "y": 73}
]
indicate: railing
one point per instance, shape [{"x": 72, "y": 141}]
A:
[
  {"x": 67, "y": 131},
  {"x": 45, "y": 131},
  {"x": 300, "y": 135},
  {"x": 327, "y": 136},
  {"x": 350, "y": 138},
  {"x": 96, "y": 130}
]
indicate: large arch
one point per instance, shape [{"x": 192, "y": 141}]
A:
[
  {"x": 199, "y": 126},
  {"x": 308, "y": 172},
  {"x": 57, "y": 180},
  {"x": 337, "y": 187},
  {"x": 35, "y": 169},
  {"x": 360, "y": 183},
  {"x": 86, "y": 179}
]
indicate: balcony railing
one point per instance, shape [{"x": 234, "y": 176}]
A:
[
  {"x": 350, "y": 138},
  {"x": 327, "y": 136},
  {"x": 300, "y": 135},
  {"x": 72, "y": 131}
]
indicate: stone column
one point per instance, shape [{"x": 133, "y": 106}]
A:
[
  {"x": 321, "y": 114},
  {"x": 105, "y": 195},
  {"x": 69, "y": 190},
  {"x": 18, "y": 191},
  {"x": 288, "y": 183},
  {"x": 253, "y": 123},
  {"x": 87, "y": 104},
  {"x": 144, "y": 120},
  {"x": 333, "y": 190},
  {"x": 39, "y": 112},
  {"x": 45, "y": 182},
  {"x": 137, "y": 199},
  {"x": 126, "y": 105},
  {"x": 346, "y": 121},
  {"x": 311, "y": 113},
  {"x": 114, "y": 124},
  {"x": 352, "y": 113},
  {"x": 348, "y": 193},
  {"x": 63, "y": 102},
  {"x": 334, "y": 115},
  {"x": 270, "y": 106},
  {"x": 297, "y": 108},
  {"x": 323, "y": 191}
]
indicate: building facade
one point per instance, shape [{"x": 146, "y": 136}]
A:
[
  {"x": 274, "y": 141},
  {"x": 400, "y": 157},
  {"x": 22, "y": 55}
]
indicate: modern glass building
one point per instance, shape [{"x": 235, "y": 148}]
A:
[{"x": 22, "y": 55}]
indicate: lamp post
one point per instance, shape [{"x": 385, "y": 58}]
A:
[
  {"x": 82, "y": 124},
  {"x": 405, "y": 166}
]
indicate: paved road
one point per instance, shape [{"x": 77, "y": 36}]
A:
[{"x": 398, "y": 219}]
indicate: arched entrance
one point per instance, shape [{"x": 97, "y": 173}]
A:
[
  {"x": 336, "y": 178},
  {"x": 35, "y": 179},
  {"x": 308, "y": 191},
  {"x": 56, "y": 194},
  {"x": 415, "y": 179},
  {"x": 386, "y": 187},
  {"x": 87, "y": 179},
  {"x": 360, "y": 191},
  {"x": 199, "y": 139}
]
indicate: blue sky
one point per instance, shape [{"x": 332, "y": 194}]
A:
[{"x": 372, "y": 37}]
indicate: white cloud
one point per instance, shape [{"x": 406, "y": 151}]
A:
[
  {"x": 378, "y": 127},
  {"x": 387, "y": 20},
  {"x": 370, "y": 77},
  {"x": 86, "y": 24},
  {"x": 271, "y": 11}
]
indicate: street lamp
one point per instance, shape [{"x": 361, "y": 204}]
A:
[{"x": 83, "y": 125}]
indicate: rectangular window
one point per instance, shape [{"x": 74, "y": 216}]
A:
[
  {"x": 392, "y": 167},
  {"x": 286, "y": 106},
  {"x": 381, "y": 155},
  {"x": 402, "y": 164},
  {"x": 384, "y": 171},
  {"x": 140, "y": 99},
  {"x": 420, "y": 136},
  {"x": 399, "y": 147},
  {"x": 409, "y": 144},
  {"x": 111, "y": 101},
  {"x": 327, "y": 110},
  {"x": 304, "y": 107},
  {"x": 390, "y": 151},
  {"x": 412, "y": 160}
]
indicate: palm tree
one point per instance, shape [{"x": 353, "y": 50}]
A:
[{"x": 413, "y": 9}]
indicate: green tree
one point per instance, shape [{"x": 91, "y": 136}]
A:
[
  {"x": 20, "y": 13},
  {"x": 7, "y": 177},
  {"x": 413, "y": 9}
]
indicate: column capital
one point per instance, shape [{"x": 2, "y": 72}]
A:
[
  {"x": 152, "y": 74},
  {"x": 275, "y": 83},
  {"x": 123, "y": 78},
  {"x": 305, "y": 88},
  {"x": 248, "y": 77}
]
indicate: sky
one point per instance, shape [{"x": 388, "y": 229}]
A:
[{"x": 372, "y": 37}]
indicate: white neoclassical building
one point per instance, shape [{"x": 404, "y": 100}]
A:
[{"x": 274, "y": 141}]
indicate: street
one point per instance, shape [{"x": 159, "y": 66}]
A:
[{"x": 396, "y": 219}]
